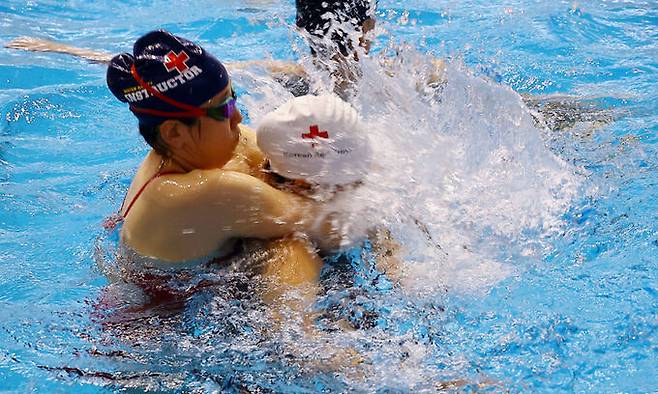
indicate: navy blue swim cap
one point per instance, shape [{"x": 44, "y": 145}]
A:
[{"x": 166, "y": 77}]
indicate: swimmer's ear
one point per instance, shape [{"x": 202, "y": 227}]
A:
[{"x": 174, "y": 133}]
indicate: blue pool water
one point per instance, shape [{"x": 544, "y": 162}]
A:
[{"x": 533, "y": 170}]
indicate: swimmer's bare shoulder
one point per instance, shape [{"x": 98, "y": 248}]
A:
[{"x": 188, "y": 216}]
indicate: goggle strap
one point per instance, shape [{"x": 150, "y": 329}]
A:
[{"x": 190, "y": 108}]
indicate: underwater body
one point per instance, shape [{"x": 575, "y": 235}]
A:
[{"x": 522, "y": 188}]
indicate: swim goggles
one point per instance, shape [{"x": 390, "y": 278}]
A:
[
  {"x": 222, "y": 111},
  {"x": 225, "y": 109}
]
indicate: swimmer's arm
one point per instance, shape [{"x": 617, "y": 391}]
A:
[
  {"x": 273, "y": 66},
  {"x": 40, "y": 45},
  {"x": 35, "y": 44},
  {"x": 256, "y": 209},
  {"x": 267, "y": 212}
]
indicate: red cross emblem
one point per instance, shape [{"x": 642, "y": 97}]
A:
[
  {"x": 315, "y": 132},
  {"x": 176, "y": 61}
]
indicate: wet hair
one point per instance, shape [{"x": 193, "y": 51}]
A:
[{"x": 311, "y": 17}]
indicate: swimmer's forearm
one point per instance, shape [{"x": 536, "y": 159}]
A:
[
  {"x": 34, "y": 44},
  {"x": 40, "y": 45},
  {"x": 273, "y": 66},
  {"x": 258, "y": 209}
]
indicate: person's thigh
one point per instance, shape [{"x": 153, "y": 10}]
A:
[
  {"x": 293, "y": 262},
  {"x": 293, "y": 265}
]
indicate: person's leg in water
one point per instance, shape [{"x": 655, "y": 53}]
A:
[
  {"x": 292, "y": 264},
  {"x": 335, "y": 31},
  {"x": 290, "y": 272}
]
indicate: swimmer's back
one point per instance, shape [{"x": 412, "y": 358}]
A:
[{"x": 191, "y": 216}]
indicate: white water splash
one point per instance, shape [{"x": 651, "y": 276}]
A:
[{"x": 462, "y": 176}]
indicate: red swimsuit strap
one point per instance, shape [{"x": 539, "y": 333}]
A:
[{"x": 141, "y": 189}]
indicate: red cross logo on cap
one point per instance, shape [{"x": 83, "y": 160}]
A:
[
  {"x": 315, "y": 133},
  {"x": 176, "y": 61}
]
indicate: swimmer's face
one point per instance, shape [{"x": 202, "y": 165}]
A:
[
  {"x": 217, "y": 139},
  {"x": 209, "y": 142}
]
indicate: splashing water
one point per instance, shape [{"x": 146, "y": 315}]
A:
[
  {"x": 461, "y": 175},
  {"x": 470, "y": 189},
  {"x": 465, "y": 182},
  {"x": 470, "y": 192}
]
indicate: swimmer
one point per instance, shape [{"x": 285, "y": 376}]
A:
[
  {"x": 314, "y": 146},
  {"x": 323, "y": 19},
  {"x": 317, "y": 141},
  {"x": 187, "y": 201},
  {"x": 195, "y": 196},
  {"x": 318, "y": 147}
]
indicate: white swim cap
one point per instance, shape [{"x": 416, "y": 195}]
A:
[{"x": 319, "y": 139}]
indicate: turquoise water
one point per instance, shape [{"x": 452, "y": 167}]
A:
[{"x": 545, "y": 277}]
